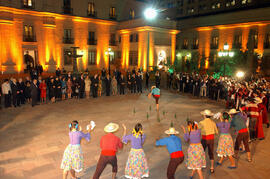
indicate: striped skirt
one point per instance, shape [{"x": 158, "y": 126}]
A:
[
  {"x": 72, "y": 158},
  {"x": 136, "y": 166},
  {"x": 225, "y": 145},
  {"x": 196, "y": 157}
]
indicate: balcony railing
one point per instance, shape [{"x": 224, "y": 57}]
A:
[
  {"x": 214, "y": 46},
  {"x": 68, "y": 40},
  {"x": 112, "y": 17},
  {"x": 237, "y": 46},
  {"x": 67, "y": 10},
  {"x": 92, "y": 42},
  {"x": 195, "y": 46},
  {"x": 26, "y": 5},
  {"x": 184, "y": 47},
  {"x": 91, "y": 13},
  {"x": 113, "y": 43},
  {"x": 29, "y": 38}
]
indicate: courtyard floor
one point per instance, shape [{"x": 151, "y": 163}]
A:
[{"x": 32, "y": 140}]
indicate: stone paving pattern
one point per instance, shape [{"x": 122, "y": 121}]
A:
[{"x": 32, "y": 140}]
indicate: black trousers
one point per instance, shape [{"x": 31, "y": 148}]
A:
[
  {"x": 122, "y": 89},
  {"x": 133, "y": 88},
  {"x": 20, "y": 99},
  {"x": 14, "y": 99},
  {"x": 94, "y": 91},
  {"x": 7, "y": 100},
  {"x": 252, "y": 128},
  {"x": 139, "y": 88},
  {"x": 34, "y": 99},
  {"x": 108, "y": 90}
]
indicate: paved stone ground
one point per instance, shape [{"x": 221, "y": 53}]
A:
[{"x": 32, "y": 140}]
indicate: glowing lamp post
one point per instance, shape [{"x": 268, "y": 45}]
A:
[
  {"x": 226, "y": 54},
  {"x": 240, "y": 74},
  {"x": 149, "y": 14},
  {"x": 110, "y": 53}
]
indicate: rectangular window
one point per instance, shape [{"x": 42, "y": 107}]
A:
[
  {"x": 255, "y": 38},
  {"x": 131, "y": 38},
  {"x": 195, "y": 43},
  {"x": 92, "y": 57},
  {"x": 133, "y": 58},
  {"x": 67, "y": 57},
  {"x": 91, "y": 38},
  {"x": 28, "y": 34},
  {"x": 214, "y": 42},
  {"x": 112, "y": 40},
  {"x": 112, "y": 12},
  {"x": 237, "y": 42},
  {"x": 91, "y": 9},
  {"x": 267, "y": 41},
  {"x": 67, "y": 33},
  {"x": 185, "y": 44},
  {"x": 91, "y": 35},
  {"x": 136, "y": 37},
  {"x": 131, "y": 14},
  {"x": 67, "y": 3},
  {"x": 28, "y": 3},
  {"x": 119, "y": 38}
]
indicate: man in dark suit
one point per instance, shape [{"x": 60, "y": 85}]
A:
[
  {"x": 122, "y": 83},
  {"x": 139, "y": 82},
  {"x": 34, "y": 92},
  {"x": 108, "y": 85},
  {"x": 81, "y": 86},
  {"x": 14, "y": 92}
]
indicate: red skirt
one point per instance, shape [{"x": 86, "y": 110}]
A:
[{"x": 43, "y": 93}]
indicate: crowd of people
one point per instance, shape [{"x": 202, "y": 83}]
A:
[
  {"x": 36, "y": 90},
  {"x": 248, "y": 101}
]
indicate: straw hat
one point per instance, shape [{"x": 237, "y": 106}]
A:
[
  {"x": 171, "y": 131},
  {"x": 111, "y": 127},
  {"x": 153, "y": 87},
  {"x": 233, "y": 111},
  {"x": 207, "y": 113},
  {"x": 258, "y": 100}
]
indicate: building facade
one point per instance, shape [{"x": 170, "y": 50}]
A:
[
  {"x": 207, "y": 25},
  {"x": 42, "y": 32}
]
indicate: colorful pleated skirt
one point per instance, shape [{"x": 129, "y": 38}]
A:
[
  {"x": 225, "y": 145},
  {"x": 196, "y": 157},
  {"x": 72, "y": 158},
  {"x": 136, "y": 166}
]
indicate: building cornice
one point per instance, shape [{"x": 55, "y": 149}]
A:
[{"x": 56, "y": 15}]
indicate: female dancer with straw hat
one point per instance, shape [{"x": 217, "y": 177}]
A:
[
  {"x": 136, "y": 166},
  {"x": 155, "y": 92},
  {"x": 196, "y": 155},
  {"x": 73, "y": 159},
  {"x": 109, "y": 145},
  {"x": 174, "y": 146},
  {"x": 225, "y": 142}
]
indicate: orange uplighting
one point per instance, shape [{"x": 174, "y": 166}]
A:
[
  {"x": 81, "y": 36},
  {"x": 226, "y": 36},
  {"x": 173, "y": 45},
  {"x": 245, "y": 33},
  {"x": 261, "y": 37},
  {"x": 102, "y": 45},
  {"x": 151, "y": 49},
  {"x": 204, "y": 47},
  {"x": 125, "y": 50}
]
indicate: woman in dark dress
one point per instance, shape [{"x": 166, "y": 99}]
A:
[
  {"x": 58, "y": 90},
  {"x": 27, "y": 92},
  {"x": 75, "y": 88},
  {"x": 51, "y": 86}
]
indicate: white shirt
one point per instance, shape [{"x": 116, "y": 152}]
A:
[{"x": 6, "y": 88}]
